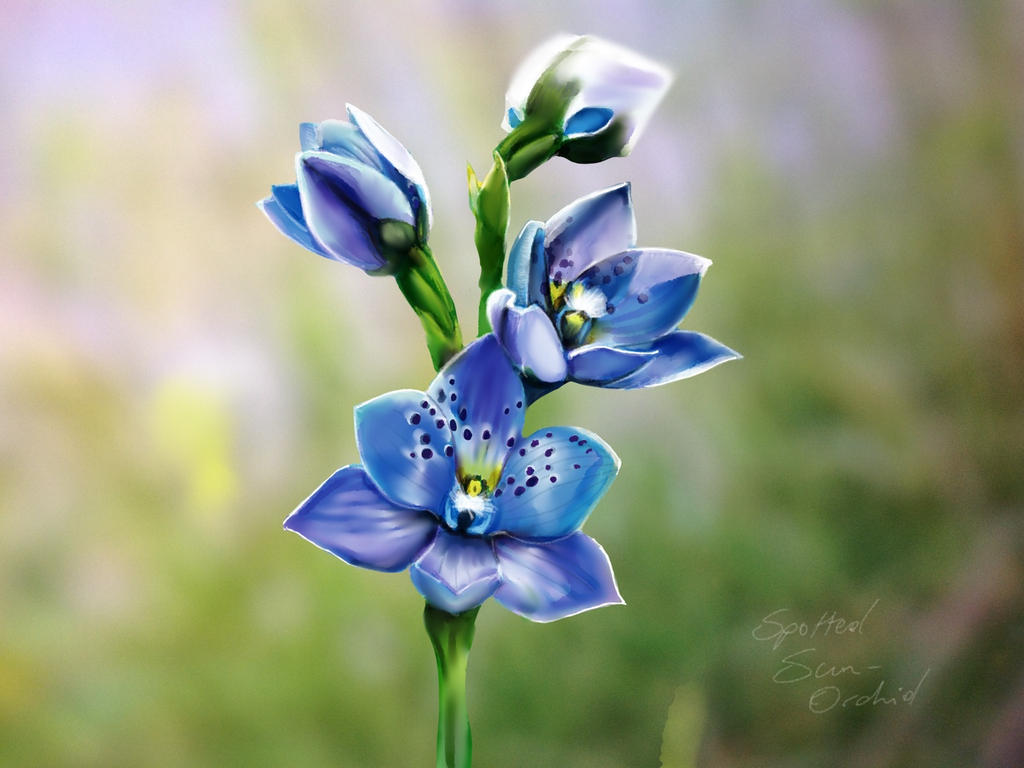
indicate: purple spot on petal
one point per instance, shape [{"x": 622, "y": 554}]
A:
[
  {"x": 462, "y": 413},
  {"x": 606, "y": 279},
  {"x": 510, "y": 442},
  {"x": 440, "y": 394},
  {"x": 534, "y": 443},
  {"x": 563, "y": 263},
  {"x": 588, "y": 450},
  {"x": 448, "y": 451},
  {"x": 610, "y": 309},
  {"x": 553, "y": 479},
  {"x": 425, "y": 439},
  {"x": 424, "y": 404},
  {"x": 433, "y": 412},
  {"x": 511, "y": 480},
  {"x": 453, "y": 397},
  {"x": 618, "y": 270},
  {"x": 529, "y": 470},
  {"x": 452, "y": 382},
  {"x": 642, "y": 298},
  {"x": 497, "y": 493},
  {"x": 414, "y": 419},
  {"x": 452, "y": 425},
  {"x": 519, "y": 491},
  {"x": 532, "y": 481},
  {"x": 467, "y": 434},
  {"x": 439, "y": 423},
  {"x": 627, "y": 259},
  {"x": 519, "y": 403},
  {"x": 426, "y": 453},
  {"x": 486, "y": 434},
  {"x": 548, "y": 452},
  {"x": 550, "y": 434},
  {"x": 574, "y": 438},
  {"x": 522, "y": 451},
  {"x": 507, "y": 411},
  {"x": 412, "y": 455},
  {"x": 575, "y": 466},
  {"x": 547, "y": 467}
]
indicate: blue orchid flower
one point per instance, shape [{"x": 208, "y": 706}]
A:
[
  {"x": 360, "y": 197},
  {"x": 450, "y": 489},
  {"x": 601, "y": 95},
  {"x": 584, "y": 304}
]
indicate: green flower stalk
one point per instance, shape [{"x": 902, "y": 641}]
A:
[{"x": 452, "y": 636}]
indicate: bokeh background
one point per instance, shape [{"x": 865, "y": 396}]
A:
[{"x": 175, "y": 377}]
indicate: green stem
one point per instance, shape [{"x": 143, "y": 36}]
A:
[
  {"x": 421, "y": 283},
  {"x": 531, "y": 144},
  {"x": 451, "y": 635}
]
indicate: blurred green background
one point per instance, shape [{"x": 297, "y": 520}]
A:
[{"x": 175, "y": 377}]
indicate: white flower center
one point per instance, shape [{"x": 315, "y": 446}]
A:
[{"x": 590, "y": 301}]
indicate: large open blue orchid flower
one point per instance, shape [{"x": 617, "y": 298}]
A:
[
  {"x": 450, "y": 489},
  {"x": 584, "y": 304},
  {"x": 360, "y": 197}
]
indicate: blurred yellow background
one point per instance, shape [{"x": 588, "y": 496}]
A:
[{"x": 175, "y": 376}]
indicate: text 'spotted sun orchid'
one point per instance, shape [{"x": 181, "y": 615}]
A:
[{"x": 448, "y": 486}]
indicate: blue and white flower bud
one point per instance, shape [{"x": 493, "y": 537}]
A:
[
  {"x": 360, "y": 197},
  {"x": 598, "y": 94}
]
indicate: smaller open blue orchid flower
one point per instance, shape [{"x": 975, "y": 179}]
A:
[
  {"x": 584, "y": 304},
  {"x": 601, "y": 94},
  {"x": 360, "y": 197},
  {"x": 450, "y": 489}
]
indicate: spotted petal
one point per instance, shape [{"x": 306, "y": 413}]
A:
[
  {"x": 350, "y": 518},
  {"x": 284, "y": 210},
  {"x": 677, "y": 355},
  {"x": 483, "y": 400},
  {"x": 528, "y": 337},
  {"x": 589, "y": 229},
  {"x": 551, "y": 482},
  {"x": 406, "y": 447},
  {"x": 648, "y": 293},
  {"x": 456, "y": 573},
  {"x": 546, "y": 581}
]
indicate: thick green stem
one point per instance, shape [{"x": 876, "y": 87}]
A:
[
  {"x": 452, "y": 635},
  {"x": 421, "y": 283}
]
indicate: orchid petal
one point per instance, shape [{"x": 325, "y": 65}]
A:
[
  {"x": 600, "y": 365},
  {"x": 529, "y": 339},
  {"x": 678, "y": 355},
  {"x": 338, "y": 226},
  {"x": 456, "y": 573},
  {"x": 406, "y": 447},
  {"x": 527, "y": 267},
  {"x": 356, "y": 185},
  {"x": 350, "y": 518},
  {"x": 485, "y": 412},
  {"x": 394, "y": 153},
  {"x": 551, "y": 482},
  {"x": 648, "y": 293},
  {"x": 589, "y": 229},
  {"x": 546, "y": 581},
  {"x": 285, "y": 212}
]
